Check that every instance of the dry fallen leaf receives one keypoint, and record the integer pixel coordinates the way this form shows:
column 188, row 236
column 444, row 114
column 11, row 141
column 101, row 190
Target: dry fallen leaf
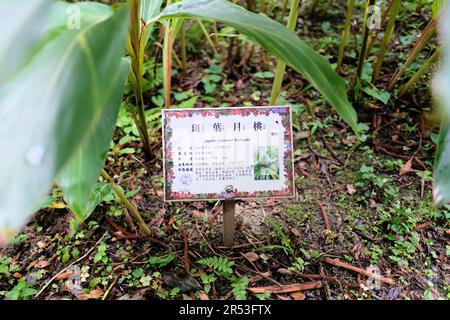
column 199, row 213
column 251, row 256
column 41, row 244
column 57, row 205
column 349, row 140
column 42, row 264
column 203, row 296
column 406, row 168
column 64, row 275
column 94, row 294
column 295, row 232
column 351, row 189
column 298, row 295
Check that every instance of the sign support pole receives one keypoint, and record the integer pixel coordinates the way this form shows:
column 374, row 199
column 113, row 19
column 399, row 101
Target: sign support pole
column 229, row 208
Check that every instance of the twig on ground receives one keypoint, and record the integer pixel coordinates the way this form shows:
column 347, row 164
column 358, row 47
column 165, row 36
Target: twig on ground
column 288, row 288
column 330, row 150
column 325, row 217
column 105, row 295
column 345, row 265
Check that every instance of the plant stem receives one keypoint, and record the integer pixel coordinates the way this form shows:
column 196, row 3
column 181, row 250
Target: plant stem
column 365, row 38
column 135, row 51
column 427, row 34
column 386, row 39
column 383, row 20
column 345, row 34
column 167, row 63
column 208, row 37
column 183, row 48
column 423, row 69
column 134, row 212
column 281, row 67
column 216, row 37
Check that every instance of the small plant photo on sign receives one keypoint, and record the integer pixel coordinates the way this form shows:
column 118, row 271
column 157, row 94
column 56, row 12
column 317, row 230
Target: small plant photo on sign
column 267, row 165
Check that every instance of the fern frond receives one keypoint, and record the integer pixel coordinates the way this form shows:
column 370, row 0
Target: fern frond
column 219, row 264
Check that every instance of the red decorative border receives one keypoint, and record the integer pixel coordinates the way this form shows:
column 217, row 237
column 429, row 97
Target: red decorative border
column 285, row 113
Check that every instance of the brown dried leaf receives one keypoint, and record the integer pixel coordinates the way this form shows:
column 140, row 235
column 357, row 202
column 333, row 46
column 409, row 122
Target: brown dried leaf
column 42, row 264
column 57, row 205
column 94, row 294
column 349, row 140
column 251, row 256
column 199, row 213
column 406, row 168
column 64, row 275
column 298, row 295
column 351, row 189
column 203, row 296
column 41, row 244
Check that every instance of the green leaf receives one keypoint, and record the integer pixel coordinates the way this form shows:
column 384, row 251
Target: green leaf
column 381, row 95
column 264, row 75
column 51, row 107
column 240, row 288
column 161, row 261
column 47, row 202
column 23, row 24
column 190, row 103
column 437, row 7
column 149, row 10
column 79, row 175
column 99, row 192
column 441, row 189
column 77, row 16
column 279, row 41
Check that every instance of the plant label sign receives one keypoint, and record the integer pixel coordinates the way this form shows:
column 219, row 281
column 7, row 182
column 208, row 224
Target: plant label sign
column 227, row 153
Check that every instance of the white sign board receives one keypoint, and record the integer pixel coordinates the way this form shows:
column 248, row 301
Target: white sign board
column 225, row 153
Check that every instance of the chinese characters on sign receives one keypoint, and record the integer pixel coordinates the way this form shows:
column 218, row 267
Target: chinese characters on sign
column 227, row 153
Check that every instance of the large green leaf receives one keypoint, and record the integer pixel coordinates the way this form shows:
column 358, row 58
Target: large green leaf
column 149, row 10
column 23, row 24
column 278, row 40
column 441, row 188
column 78, row 15
column 51, row 107
column 79, row 176
column 437, row 7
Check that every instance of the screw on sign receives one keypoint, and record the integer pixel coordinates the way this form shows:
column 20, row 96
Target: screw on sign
column 227, row 154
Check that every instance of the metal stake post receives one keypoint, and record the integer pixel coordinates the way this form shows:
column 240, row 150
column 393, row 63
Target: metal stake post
column 229, row 208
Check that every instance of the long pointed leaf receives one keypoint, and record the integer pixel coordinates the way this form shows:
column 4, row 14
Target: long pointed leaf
column 80, row 14
column 81, row 173
column 50, row 108
column 441, row 188
column 149, row 10
column 279, row 41
column 22, row 25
